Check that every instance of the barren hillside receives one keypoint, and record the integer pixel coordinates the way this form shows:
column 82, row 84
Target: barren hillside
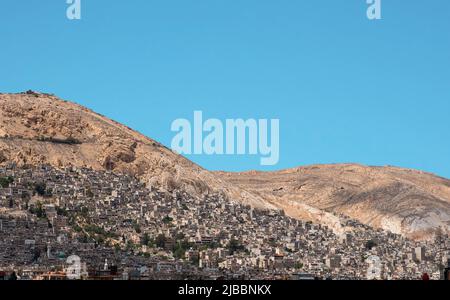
column 402, row 201
column 39, row 128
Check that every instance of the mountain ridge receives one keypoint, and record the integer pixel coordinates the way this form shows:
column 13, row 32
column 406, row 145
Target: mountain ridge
column 30, row 123
column 37, row 128
column 404, row 201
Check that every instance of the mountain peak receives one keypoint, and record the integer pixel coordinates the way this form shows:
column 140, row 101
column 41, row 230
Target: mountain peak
column 38, row 128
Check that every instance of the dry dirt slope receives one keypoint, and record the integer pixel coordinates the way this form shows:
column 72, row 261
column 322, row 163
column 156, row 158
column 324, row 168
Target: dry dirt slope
column 35, row 129
column 408, row 202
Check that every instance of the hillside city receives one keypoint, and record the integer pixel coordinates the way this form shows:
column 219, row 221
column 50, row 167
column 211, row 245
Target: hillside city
column 78, row 223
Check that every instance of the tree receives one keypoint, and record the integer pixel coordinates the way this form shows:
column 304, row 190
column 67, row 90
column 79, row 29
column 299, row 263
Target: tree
column 298, row 265
column 235, row 246
column 180, row 248
column 61, row 211
column 167, row 220
column 213, row 245
column 180, row 236
column 179, row 251
column 370, row 244
column 137, row 228
column 160, row 241
column 38, row 210
column 89, row 193
column 36, row 254
column 40, row 188
column 84, row 211
column 195, row 260
column 6, row 181
column 145, row 241
column 130, row 246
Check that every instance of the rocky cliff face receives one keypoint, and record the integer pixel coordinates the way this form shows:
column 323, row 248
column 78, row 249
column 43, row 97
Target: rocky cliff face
column 42, row 129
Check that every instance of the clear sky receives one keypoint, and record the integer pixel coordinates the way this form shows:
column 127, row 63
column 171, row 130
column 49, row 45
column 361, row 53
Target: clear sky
column 345, row 89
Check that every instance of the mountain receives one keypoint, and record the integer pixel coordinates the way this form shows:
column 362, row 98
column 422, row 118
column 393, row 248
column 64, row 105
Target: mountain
column 38, row 128
column 408, row 202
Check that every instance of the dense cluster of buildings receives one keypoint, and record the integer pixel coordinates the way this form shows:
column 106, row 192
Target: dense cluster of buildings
column 81, row 223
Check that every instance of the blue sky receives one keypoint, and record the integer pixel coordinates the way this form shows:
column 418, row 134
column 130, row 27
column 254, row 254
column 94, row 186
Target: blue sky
column 345, row 89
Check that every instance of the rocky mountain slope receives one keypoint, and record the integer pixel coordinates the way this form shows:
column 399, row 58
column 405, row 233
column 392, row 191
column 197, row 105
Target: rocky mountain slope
column 39, row 128
column 408, row 202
